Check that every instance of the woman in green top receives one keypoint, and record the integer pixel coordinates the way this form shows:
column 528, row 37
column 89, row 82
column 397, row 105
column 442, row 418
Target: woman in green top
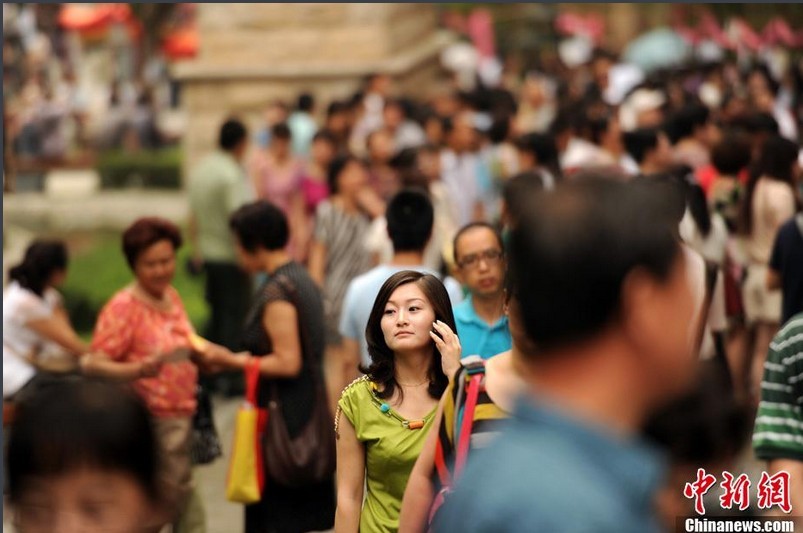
column 388, row 412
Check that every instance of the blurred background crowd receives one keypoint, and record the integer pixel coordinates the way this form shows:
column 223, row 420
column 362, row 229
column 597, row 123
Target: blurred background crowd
column 521, row 98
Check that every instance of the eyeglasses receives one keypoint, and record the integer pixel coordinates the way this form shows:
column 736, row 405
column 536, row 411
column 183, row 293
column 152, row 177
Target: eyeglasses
column 491, row 258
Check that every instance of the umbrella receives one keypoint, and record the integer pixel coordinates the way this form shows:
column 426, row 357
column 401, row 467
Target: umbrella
column 181, row 44
column 88, row 17
column 660, row 48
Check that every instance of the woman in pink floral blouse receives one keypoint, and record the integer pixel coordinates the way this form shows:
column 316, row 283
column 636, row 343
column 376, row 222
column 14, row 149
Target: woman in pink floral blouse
column 143, row 335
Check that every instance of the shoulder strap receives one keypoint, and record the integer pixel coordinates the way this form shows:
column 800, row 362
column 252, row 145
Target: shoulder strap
column 710, row 284
column 468, row 422
column 473, row 371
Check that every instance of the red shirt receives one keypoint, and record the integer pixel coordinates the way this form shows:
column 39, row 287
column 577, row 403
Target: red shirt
column 130, row 329
column 706, row 175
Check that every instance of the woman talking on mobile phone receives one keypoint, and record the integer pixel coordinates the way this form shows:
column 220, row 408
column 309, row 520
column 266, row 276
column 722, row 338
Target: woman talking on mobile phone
column 388, row 412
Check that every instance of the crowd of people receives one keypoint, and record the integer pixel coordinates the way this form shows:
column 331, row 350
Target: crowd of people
column 521, row 307
column 54, row 113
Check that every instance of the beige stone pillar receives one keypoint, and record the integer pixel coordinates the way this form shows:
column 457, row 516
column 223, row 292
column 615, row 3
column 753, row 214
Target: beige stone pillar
column 251, row 54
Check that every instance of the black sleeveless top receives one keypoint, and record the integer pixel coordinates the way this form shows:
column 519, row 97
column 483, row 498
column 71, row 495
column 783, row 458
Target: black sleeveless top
column 292, row 284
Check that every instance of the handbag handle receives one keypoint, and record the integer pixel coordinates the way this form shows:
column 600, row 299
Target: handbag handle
column 251, row 380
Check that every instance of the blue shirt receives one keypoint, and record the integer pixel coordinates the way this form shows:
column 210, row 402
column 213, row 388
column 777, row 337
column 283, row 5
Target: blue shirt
column 362, row 292
column 476, row 336
column 550, row 472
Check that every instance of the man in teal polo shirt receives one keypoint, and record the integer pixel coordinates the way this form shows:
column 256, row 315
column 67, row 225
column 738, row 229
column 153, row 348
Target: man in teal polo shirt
column 481, row 320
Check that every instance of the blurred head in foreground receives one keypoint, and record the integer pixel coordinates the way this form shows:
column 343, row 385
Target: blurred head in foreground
column 602, row 283
column 82, row 456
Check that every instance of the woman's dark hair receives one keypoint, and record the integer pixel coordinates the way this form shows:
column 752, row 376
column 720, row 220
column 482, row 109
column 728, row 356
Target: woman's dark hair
column 382, row 369
column 42, row 259
column 144, row 233
column 326, row 136
column 777, row 161
column 258, row 224
column 336, row 167
column 731, row 154
column 281, row 131
column 72, row 423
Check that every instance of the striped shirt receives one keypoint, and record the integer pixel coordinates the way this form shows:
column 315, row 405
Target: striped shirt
column 344, row 236
column 778, row 431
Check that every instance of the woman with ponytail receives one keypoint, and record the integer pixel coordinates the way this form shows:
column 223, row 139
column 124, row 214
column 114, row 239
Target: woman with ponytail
column 36, row 329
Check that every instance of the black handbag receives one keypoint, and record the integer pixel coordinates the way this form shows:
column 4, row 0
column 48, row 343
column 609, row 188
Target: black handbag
column 204, row 440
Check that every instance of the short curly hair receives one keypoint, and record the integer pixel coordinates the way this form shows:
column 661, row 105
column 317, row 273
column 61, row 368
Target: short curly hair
column 144, row 233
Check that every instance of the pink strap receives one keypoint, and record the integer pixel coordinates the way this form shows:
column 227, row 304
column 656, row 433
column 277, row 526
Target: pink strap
column 468, row 421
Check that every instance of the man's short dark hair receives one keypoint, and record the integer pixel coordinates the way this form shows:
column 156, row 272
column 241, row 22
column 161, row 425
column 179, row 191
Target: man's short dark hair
column 731, row 154
column 762, row 122
column 686, row 120
column 640, row 141
column 74, row 423
column 232, row 133
column 336, row 107
column 572, row 250
column 541, row 145
column 519, row 189
column 305, row 102
column 410, row 217
column 260, row 224
column 474, row 225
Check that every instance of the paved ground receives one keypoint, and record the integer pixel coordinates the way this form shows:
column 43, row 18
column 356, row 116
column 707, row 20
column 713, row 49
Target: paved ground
column 222, row 516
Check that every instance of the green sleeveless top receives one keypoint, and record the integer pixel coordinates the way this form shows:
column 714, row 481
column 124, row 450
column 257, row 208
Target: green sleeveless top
column 391, row 449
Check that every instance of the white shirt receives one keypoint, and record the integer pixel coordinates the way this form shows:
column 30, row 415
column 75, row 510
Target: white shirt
column 459, row 175
column 711, row 247
column 21, row 306
column 716, row 320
